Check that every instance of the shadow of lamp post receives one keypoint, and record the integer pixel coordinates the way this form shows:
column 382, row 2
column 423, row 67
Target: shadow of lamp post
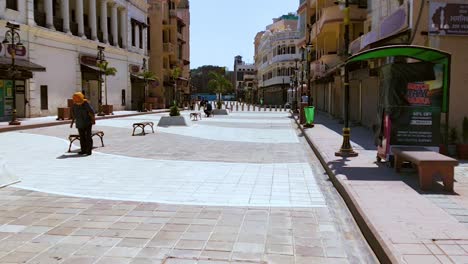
column 100, row 59
column 13, row 40
column 147, row 77
column 346, row 149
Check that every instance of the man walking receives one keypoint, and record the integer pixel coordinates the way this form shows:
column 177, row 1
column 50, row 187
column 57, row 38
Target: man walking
column 83, row 113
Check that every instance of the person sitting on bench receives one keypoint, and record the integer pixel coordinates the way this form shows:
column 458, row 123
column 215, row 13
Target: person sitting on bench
column 208, row 109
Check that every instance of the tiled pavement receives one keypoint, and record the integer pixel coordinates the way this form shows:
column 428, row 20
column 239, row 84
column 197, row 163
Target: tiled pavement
column 36, row 227
column 404, row 224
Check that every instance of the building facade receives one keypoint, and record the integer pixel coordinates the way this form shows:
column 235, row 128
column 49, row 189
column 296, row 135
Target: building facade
column 378, row 23
column 276, row 59
column 62, row 37
column 244, row 78
column 170, row 50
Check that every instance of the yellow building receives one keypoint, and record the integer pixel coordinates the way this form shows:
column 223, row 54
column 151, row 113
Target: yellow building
column 169, row 50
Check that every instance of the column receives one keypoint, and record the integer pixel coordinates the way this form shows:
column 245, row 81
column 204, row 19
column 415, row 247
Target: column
column 49, row 14
column 123, row 28
column 2, row 9
column 105, row 33
column 66, row 15
column 145, row 30
column 79, row 18
column 92, row 19
column 137, row 35
column 115, row 31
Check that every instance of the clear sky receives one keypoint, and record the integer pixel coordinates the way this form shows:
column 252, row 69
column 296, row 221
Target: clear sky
column 223, row 29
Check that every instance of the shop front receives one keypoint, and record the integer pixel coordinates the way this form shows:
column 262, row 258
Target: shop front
column 138, row 87
column 90, row 79
column 13, row 81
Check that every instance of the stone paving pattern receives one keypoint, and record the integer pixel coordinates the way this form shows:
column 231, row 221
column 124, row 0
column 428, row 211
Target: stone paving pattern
column 38, row 227
column 413, row 226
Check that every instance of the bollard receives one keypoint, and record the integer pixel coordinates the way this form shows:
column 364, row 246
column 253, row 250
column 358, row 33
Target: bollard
column 264, row 108
column 237, row 107
column 254, row 108
column 276, row 108
column 270, row 108
column 231, row 107
column 242, row 107
column 248, row 107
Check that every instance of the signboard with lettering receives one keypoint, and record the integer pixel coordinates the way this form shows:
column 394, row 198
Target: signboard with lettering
column 448, row 19
column 88, row 60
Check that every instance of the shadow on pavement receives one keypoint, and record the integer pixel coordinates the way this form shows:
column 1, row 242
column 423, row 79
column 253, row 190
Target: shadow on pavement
column 74, row 155
column 381, row 172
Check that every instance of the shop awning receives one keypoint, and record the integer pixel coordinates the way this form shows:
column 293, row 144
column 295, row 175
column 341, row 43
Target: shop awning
column 91, row 68
column 21, row 64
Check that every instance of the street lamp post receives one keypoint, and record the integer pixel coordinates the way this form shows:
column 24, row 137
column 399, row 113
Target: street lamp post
column 309, row 51
column 294, row 101
column 100, row 58
column 145, row 80
column 13, row 40
column 346, row 149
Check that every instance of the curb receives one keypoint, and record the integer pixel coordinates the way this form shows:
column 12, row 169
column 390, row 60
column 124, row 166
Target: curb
column 65, row 122
column 375, row 241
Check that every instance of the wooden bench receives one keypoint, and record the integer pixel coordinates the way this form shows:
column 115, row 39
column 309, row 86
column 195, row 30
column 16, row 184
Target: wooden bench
column 74, row 137
column 195, row 116
column 142, row 125
column 429, row 164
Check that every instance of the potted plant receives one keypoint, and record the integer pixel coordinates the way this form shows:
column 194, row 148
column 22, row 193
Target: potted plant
column 462, row 147
column 174, row 118
column 452, row 140
column 106, row 70
column 174, row 111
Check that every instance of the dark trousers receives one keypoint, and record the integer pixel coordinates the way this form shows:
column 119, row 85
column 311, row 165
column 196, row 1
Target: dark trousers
column 86, row 140
column 207, row 113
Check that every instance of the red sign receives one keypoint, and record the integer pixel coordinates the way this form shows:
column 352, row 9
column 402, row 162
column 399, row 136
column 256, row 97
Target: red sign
column 417, row 94
column 20, row 51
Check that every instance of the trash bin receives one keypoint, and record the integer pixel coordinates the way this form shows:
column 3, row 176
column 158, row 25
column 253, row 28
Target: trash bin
column 309, row 114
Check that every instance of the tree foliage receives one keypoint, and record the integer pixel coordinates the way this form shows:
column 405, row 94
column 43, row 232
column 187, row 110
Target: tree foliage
column 218, row 83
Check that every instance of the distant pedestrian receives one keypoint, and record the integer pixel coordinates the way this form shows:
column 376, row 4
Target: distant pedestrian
column 304, row 98
column 83, row 113
column 208, row 109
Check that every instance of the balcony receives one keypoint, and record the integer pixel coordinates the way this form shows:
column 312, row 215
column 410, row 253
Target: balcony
column 168, row 48
column 320, row 67
column 334, row 14
column 278, row 80
column 285, row 57
column 173, row 13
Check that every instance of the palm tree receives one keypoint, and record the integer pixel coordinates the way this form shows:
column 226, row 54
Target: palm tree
column 106, row 70
column 175, row 74
column 219, row 85
column 147, row 77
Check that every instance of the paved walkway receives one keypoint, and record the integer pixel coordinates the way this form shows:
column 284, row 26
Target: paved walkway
column 240, row 191
column 403, row 223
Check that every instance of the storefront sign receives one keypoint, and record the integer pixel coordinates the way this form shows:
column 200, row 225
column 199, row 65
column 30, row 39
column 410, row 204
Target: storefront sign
column 88, row 60
column 448, row 19
column 20, row 51
column 134, row 68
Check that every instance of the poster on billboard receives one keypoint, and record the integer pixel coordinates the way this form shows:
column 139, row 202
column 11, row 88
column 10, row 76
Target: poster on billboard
column 448, row 19
column 418, row 121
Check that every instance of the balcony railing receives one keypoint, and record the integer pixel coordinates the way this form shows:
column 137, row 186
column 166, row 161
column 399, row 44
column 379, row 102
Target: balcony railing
column 278, row 80
column 285, row 57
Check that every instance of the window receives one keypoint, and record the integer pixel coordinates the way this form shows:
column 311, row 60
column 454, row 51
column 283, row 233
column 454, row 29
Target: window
column 12, row 4
column 148, row 35
column 44, row 98
column 133, row 35
column 140, row 28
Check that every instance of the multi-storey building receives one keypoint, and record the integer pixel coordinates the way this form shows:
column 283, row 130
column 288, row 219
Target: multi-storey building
column 60, row 39
column 244, row 78
column 170, row 50
column 385, row 23
column 276, row 57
